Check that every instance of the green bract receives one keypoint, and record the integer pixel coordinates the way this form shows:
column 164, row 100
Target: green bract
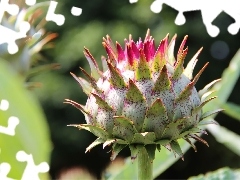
column 143, row 98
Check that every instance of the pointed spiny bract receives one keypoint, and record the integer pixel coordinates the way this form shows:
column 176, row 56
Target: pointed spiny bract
column 120, row 52
column 170, row 50
column 207, row 87
column 185, row 93
column 163, row 82
column 95, row 72
column 147, row 35
column 134, row 105
column 204, row 96
column 101, row 103
column 195, row 79
column 131, row 57
column 134, row 94
column 181, row 49
column 178, row 67
column 116, row 148
column 91, row 80
column 156, row 118
column 196, row 137
column 160, row 56
column 142, row 71
column 123, row 128
column 116, row 79
column 209, row 113
column 110, row 43
column 188, row 71
column 76, row 105
column 199, row 108
column 104, row 63
column 86, row 86
column 149, row 50
column 111, row 56
column 139, row 43
column 193, row 146
column 135, row 50
column 144, row 96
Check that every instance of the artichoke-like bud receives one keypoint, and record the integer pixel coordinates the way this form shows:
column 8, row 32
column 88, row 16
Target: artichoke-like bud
column 143, row 97
column 25, row 62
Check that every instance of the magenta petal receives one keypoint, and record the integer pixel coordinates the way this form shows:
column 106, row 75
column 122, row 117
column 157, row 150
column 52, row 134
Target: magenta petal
column 130, row 54
column 139, row 44
column 162, row 48
column 135, row 50
column 148, row 50
column 152, row 47
column 121, row 55
column 111, row 55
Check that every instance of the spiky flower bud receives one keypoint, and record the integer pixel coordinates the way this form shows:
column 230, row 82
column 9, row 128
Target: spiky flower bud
column 143, row 97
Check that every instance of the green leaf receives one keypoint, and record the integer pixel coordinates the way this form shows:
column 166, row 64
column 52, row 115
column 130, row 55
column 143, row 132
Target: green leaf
column 232, row 110
column 223, row 173
column 226, row 137
column 31, row 131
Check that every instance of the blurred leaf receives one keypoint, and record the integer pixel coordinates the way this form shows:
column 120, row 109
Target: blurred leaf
column 223, row 173
column 226, row 137
column 31, row 133
column 223, row 91
column 232, row 110
column 229, row 79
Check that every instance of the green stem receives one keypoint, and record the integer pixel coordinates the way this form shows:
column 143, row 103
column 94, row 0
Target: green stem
column 145, row 166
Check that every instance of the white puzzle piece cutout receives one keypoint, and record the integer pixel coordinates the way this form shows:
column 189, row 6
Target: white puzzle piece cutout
column 10, row 36
column 4, row 170
column 59, row 19
column 12, row 120
column 209, row 10
column 31, row 171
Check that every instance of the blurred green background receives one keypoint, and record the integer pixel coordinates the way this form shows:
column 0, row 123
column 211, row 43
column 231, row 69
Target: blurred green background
column 119, row 19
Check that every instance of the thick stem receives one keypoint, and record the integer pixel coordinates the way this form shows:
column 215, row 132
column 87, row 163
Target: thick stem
column 144, row 165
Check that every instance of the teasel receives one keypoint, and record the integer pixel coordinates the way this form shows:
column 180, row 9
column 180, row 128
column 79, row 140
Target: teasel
column 144, row 99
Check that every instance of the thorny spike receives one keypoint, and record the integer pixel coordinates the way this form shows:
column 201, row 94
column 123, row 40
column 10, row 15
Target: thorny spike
column 120, row 52
column 185, row 93
column 93, row 64
column 170, row 50
column 84, row 84
column 179, row 64
column 111, row 56
column 130, row 38
column 92, row 80
column 142, row 70
column 196, row 137
column 147, row 35
column 76, row 105
column 101, row 103
column 109, row 42
column 180, row 51
column 116, row 79
column 195, row 79
column 104, row 63
column 163, row 82
column 193, row 146
column 188, row 71
column 207, row 87
column 197, row 109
